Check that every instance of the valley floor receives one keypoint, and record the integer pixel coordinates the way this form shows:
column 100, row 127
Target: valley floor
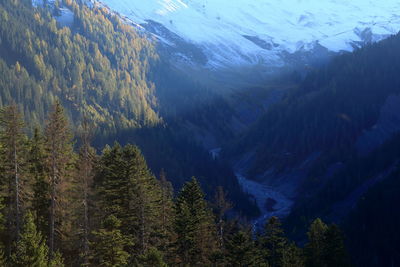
column 270, row 201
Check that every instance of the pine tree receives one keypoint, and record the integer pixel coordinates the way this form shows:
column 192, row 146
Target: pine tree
column 59, row 151
column 314, row 249
column 108, row 247
column 41, row 190
column 194, row 227
column 13, row 139
column 30, row 249
column 274, row 242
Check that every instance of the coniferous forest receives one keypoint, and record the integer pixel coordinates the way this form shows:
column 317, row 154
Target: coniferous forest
column 65, row 204
column 112, row 154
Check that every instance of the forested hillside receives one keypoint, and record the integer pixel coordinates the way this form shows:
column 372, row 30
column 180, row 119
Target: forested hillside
column 62, row 206
column 330, row 110
column 105, row 71
column 97, row 66
column 108, row 151
column 342, row 122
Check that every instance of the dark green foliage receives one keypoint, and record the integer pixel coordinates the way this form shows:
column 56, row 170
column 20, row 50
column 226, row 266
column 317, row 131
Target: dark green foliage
column 126, row 189
column 13, row 140
column 109, row 244
column 274, row 242
column 315, row 247
column 57, row 260
column 293, row 256
column 167, row 213
column 135, row 221
column 59, row 162
column 181, row 157
column 334, row 252
column 152, row 257
column 31, row 249
column 325, row 246
column 241, row 250
column 194, row 226
column 83, row 193
column 39, row 176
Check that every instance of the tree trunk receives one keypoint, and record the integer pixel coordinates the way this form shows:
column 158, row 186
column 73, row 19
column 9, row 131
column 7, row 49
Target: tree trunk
column 52, row 208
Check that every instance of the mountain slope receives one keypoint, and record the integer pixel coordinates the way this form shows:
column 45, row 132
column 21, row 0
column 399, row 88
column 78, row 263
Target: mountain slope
column 335, row 110
column 244, row 32
column 97, row 66
column 335, row 140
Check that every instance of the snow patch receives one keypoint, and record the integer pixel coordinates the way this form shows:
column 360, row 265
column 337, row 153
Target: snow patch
column 237, row 32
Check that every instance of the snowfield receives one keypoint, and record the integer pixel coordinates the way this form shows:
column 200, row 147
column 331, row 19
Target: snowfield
column 236, row 32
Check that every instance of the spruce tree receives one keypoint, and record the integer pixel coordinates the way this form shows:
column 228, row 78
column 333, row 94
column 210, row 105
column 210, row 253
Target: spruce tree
column 59, row 151
column 274, row 242
column 108, row 247
column 314, row 249
column 194, row 226
column 127, row 189
column 30, row 249
column 13, row 143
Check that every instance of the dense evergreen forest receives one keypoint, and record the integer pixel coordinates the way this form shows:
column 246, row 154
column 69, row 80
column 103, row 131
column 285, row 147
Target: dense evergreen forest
column 69, row 206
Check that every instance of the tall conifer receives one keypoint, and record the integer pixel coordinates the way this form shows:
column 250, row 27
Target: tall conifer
column 194, row 226
column 274, row 242
column 13, row 143
column 314, row 249
column 59, row 148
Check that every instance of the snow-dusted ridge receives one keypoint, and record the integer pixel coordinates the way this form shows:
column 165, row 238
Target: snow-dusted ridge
column 237, row 32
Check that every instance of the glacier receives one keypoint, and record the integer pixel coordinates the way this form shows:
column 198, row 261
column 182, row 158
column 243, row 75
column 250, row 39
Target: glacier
column 240, row 32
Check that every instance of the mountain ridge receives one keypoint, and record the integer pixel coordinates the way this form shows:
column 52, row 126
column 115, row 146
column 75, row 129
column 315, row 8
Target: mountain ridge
column 247, row 33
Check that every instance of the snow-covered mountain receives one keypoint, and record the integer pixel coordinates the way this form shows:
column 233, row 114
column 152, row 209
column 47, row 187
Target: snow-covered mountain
column 237, row 32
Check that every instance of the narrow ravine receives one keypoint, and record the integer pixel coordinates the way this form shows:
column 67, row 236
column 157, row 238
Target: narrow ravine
column 269, row 200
